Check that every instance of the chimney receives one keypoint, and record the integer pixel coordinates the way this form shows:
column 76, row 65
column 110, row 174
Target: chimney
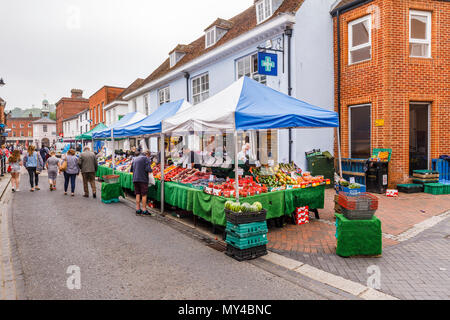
column 31, row 115
column 77, row 93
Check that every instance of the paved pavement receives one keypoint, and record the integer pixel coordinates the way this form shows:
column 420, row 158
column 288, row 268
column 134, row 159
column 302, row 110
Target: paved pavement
column 418, row 268
column 122, row 256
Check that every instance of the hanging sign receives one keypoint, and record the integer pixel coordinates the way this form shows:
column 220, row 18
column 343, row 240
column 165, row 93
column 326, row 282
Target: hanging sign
column 267, row 64
column 379, row 123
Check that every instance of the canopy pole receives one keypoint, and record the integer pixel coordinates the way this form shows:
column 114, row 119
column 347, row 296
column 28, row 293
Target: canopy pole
column 113, row 151
column 339, row 151
column 162, row 151
column 82, row 146
column 236, row 166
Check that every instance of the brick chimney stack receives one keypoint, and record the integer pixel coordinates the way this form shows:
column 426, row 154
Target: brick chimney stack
column 77, row 93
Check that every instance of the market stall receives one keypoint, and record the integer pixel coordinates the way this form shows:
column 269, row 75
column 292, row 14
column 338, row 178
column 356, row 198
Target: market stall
column 243, row 106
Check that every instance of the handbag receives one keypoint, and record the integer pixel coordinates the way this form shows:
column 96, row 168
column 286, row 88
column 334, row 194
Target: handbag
column 63, row 166
column 9, row 169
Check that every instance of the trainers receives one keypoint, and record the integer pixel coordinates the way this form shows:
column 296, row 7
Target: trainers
column 13, row 190
column 37, row 188
column 146, row 213
column 138, row 212
column 86, row 196
column 94, row 195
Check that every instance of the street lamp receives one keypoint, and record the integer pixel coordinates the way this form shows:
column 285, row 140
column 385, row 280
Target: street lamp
column 2, row 83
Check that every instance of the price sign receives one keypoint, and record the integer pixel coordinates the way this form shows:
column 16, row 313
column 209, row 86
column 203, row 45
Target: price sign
column 189, row 166
column 271, row 163
column 204, row 170
column 352, row 179
column 257, row 163
column 240, row 172
column 211, row 178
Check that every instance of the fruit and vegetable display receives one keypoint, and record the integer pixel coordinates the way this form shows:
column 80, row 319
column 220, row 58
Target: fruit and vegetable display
column 244, row 208
column 122, row 164
column 282, row 175
column 247, row 188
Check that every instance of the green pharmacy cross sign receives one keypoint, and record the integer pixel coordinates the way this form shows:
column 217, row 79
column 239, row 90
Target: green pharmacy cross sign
column 267, row 64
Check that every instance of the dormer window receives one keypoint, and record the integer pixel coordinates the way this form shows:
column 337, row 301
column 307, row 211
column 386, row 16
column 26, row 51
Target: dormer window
column 263, row 10
column 177, row 54
column 216, row 31
column 210, row 38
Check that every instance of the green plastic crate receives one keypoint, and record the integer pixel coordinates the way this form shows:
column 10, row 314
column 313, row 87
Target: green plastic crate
column 378, row 150
column 245, row 243
column 434, row 188
column 247, row 230
column 447, row 189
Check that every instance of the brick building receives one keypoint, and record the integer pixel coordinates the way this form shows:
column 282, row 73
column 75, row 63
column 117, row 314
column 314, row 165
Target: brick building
column 2, row 110
column 392, row 80
column 68, row 107
column 99, row 100
column 21, row 128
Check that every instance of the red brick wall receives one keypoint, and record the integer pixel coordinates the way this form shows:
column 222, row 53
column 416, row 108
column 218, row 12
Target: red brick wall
column 17, row 122
column 98, row 100
column 66, row 108
column 391, row 79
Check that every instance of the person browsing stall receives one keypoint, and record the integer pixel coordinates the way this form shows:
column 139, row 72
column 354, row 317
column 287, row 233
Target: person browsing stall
column 141, row 168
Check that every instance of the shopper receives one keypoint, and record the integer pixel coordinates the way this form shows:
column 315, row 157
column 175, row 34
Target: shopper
column 14, row 162
column 34, row 164
column 141, row 169
column 71, row 171
column 53, row 167
column 88, row 165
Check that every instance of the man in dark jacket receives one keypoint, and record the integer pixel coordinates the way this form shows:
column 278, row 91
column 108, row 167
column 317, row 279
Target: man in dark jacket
column 88, row 165
column 141, row 169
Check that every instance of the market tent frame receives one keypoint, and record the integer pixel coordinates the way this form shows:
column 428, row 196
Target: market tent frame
column 248, row 105
column 128, row 119
column 88, row 135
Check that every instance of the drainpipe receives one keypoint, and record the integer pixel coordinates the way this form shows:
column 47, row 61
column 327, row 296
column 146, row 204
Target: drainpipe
column 187, row 76
column 288, row 33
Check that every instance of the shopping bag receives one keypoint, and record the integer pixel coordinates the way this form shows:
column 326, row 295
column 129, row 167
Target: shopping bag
column 9, row 168
column 63, row 166
column 151, row 180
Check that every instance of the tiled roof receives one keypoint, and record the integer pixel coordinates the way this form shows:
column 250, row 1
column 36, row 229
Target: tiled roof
column 343, row 3
column 221, row 23
column 44, row 120
column 136, row 84
column 242, row 23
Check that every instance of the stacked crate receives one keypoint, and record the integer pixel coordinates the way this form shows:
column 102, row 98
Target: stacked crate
column 246, row 235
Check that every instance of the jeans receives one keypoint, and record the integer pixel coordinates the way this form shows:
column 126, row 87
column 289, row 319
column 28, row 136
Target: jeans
column 34, row 178
column 72, row 178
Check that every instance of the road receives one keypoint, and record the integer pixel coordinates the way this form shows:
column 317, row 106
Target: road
column 122, row 256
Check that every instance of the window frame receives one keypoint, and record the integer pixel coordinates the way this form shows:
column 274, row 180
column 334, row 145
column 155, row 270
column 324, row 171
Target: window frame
column 253, row 73
column 428, row 15
column 173, row 59
column 361, row 46
column 165, row 91
column 213, row 37
column 200, row 93
column 146, row 104
column 350, row 107
column 265, row 10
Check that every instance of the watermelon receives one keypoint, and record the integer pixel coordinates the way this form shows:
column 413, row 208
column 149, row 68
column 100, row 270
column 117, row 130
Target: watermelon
column 254, row 208
column 228, row 205
column 258, row 205
column 246, row 207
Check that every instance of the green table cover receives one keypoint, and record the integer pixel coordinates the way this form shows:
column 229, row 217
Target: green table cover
column 103, row 171
column 211, row 208
column 111, row 191
column 358, row 237
column 313, row 197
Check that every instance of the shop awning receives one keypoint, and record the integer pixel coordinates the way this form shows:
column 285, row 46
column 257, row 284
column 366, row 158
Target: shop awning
column 249, row 105
column 127, row 120
column 88, row 135
column 152, row 123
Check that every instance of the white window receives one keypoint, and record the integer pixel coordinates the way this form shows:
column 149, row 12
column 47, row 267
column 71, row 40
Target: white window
column 29, row 125
column 21, row 125
column 146, row 104
column 173, row 59
column 164, row 95
column 248, row 66
column 13, row 125
column 263, row 10
column 45, row 128
column 420, row 34
column 210, row 38
column 360, row 40
column 200, row 88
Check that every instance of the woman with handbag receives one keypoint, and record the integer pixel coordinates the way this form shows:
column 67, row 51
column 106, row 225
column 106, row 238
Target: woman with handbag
column 71, row 170
column 34, row 164
column 14, row 169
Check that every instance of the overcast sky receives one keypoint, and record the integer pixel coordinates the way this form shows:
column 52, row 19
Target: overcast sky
column 48, row 47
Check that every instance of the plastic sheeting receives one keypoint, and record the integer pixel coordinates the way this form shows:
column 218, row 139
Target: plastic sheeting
column 127, row 120
column 152, row 123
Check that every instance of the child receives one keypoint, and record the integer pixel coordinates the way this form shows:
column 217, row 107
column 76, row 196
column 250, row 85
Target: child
column 53, row 168
column 14, row 162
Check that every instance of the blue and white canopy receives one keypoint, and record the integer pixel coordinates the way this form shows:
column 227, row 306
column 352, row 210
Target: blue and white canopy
column 128, row 119
column 249, row 105
column 152, row 123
